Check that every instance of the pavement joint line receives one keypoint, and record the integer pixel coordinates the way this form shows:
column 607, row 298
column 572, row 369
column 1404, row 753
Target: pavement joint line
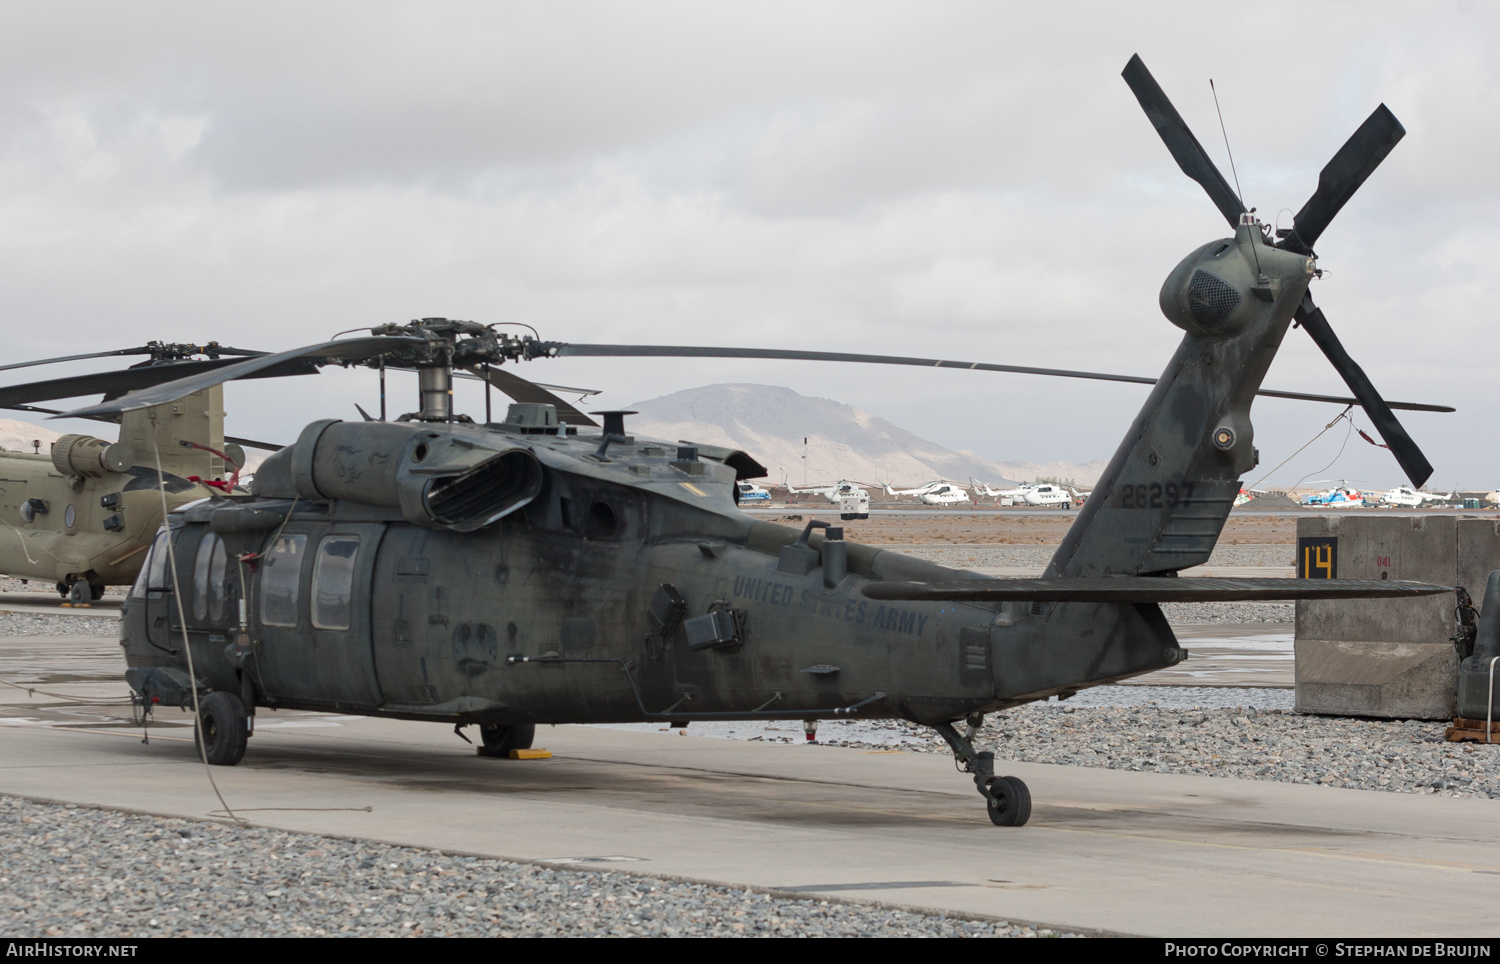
column 1357, row 856
column 574, row 868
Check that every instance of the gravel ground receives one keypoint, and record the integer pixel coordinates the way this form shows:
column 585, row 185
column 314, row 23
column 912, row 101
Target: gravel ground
column 40, row 624
column 1004, row 556
column 1018, row 556
column 70, row 871
column 1399, row 756
column 1205, row 614
column 12, row 584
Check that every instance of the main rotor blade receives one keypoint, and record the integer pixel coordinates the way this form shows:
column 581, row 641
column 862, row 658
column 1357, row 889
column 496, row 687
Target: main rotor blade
column 524, row 391
column 342, row 350
column 1411, row 459
column 1185, row 148
column 1343, row 175
column 691, row 351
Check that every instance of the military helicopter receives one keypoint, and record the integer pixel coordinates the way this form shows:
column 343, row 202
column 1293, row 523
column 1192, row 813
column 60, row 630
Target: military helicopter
column 83, row 515
column 505, row 574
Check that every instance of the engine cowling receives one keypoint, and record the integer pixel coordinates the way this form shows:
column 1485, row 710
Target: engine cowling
column 436, row 478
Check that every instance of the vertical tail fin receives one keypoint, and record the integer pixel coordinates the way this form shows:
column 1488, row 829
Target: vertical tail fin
column 1161, row 503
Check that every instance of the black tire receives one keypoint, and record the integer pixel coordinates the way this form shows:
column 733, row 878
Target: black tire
column 81, row 593
column 499, row 739
column 222, row 730
column 1011, row 806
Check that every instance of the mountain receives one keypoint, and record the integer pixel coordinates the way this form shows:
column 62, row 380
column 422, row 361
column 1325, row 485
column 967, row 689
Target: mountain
column 17, row 436
column 842, row 441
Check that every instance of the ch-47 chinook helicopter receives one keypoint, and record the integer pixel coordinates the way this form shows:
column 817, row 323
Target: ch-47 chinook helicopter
column 528, row 571
column 83, row 515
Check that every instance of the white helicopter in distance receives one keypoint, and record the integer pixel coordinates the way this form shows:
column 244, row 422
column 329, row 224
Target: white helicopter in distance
column 1409, row 498
column 933, row 493
column 851, row 498
column 989, row 492
column 1037, row 494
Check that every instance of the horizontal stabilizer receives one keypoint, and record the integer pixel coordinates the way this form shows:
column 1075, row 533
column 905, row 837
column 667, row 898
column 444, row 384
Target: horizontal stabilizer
column 1147, row 589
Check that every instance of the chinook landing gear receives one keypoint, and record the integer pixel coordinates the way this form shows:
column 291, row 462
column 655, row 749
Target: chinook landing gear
column 80, row 592
column 1007, row 798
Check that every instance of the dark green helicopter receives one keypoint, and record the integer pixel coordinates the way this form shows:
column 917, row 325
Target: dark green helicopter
column 534, row 570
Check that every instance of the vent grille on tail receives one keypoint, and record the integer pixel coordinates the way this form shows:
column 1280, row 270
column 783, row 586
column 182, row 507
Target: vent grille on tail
column 1211, row 299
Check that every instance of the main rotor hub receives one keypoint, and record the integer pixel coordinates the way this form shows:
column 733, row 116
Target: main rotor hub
column 464, row 344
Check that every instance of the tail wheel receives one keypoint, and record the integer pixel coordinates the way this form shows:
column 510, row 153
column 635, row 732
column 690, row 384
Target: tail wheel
column 222, row 731
column 1009, row 803
column 499, row 739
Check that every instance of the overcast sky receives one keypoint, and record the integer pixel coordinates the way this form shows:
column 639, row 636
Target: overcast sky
column 960, row 180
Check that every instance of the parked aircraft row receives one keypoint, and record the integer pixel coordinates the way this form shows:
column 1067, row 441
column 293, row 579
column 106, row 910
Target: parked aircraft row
column 1344, row 495
column 940, row 492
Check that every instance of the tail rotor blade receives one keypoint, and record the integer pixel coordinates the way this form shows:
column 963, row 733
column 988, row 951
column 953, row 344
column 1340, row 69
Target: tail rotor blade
column 1411, row 459
column 1343, row 175
column 1186, row 150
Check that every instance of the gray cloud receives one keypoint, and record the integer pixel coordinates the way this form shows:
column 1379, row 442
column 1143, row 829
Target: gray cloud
column 962, row 180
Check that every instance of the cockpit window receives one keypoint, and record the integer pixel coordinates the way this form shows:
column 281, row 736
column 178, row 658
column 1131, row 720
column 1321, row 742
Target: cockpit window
column 154, row 572
column 208, row 578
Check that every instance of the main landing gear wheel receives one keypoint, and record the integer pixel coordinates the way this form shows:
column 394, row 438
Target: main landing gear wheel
column 1009, row 802
column 1006, row 798
column 222, row 729
column 81, row 593
column 499, row 740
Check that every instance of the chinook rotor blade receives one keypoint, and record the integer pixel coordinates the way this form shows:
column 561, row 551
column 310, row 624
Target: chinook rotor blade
column 522, row 390
column 1147, row 589
column 1343, row 175
column 1411, row 459
column 251, row 443
column 782, row 354
column 106, row 383
column 213, row 350
column 1185, row 149
column 68, row 358
column 345, row 350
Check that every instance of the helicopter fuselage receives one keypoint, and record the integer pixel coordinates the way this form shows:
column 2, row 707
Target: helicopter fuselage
column 627, row 589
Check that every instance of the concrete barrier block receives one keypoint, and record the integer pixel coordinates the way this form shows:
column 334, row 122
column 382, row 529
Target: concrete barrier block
column 1389, row 657
column 1478, row 554
column 1412, row 681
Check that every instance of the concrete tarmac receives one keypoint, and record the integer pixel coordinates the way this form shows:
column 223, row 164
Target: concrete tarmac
column 53, row 605
column 1112, row 851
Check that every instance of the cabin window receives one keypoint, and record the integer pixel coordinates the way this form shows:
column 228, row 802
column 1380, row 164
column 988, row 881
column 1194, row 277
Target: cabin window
column 333, row 582
column 280, row 574
column 208, row 579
